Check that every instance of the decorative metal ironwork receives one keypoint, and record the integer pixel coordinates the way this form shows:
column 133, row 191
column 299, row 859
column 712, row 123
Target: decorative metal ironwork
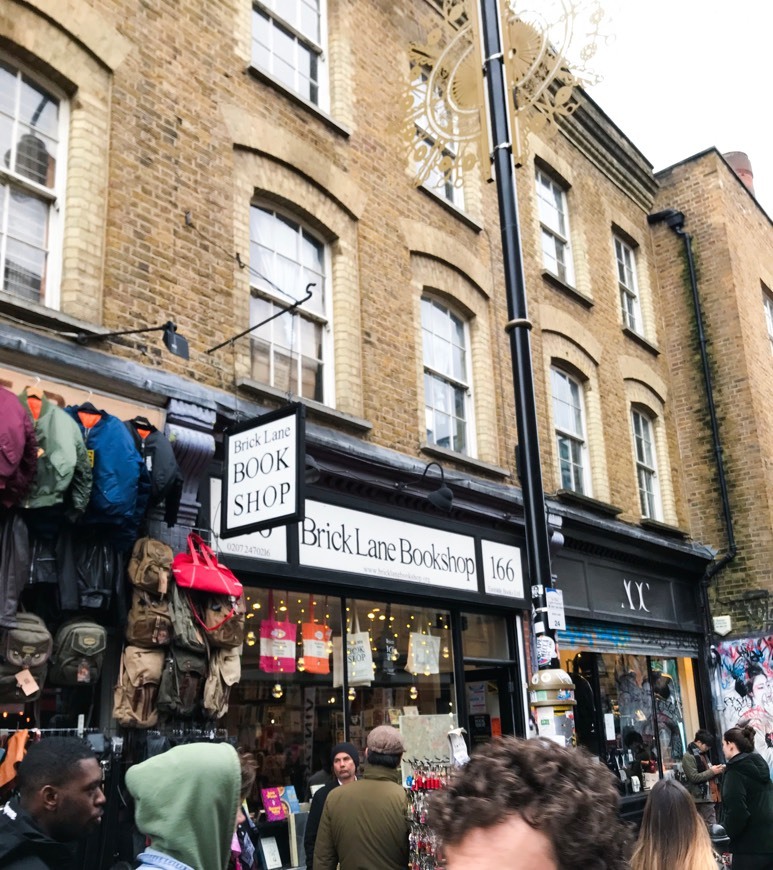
column 547, row 50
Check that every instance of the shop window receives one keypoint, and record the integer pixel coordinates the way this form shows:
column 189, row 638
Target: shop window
column 569, row 421
column 289, row 351
column 31, row 185
column 412, row 684
column 636, row 712
column 289, row 708
column 485, row 637
column 447, row 392
column 287, row 42
column 554, row 227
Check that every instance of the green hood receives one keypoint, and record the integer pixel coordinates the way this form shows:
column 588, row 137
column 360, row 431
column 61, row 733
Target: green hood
column 186, row 801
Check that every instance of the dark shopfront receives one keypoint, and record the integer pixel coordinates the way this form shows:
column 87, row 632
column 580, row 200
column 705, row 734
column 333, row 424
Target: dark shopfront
column 438, row 604
column 633, row 646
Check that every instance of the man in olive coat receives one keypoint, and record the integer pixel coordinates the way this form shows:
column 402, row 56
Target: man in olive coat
column 366, row 823
column 701, row 775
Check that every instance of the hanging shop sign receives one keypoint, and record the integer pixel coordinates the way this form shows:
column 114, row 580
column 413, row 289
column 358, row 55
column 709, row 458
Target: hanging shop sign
column 347, row 540
column 262, row 472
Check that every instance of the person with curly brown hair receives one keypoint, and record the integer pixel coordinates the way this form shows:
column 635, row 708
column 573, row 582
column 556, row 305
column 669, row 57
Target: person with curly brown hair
column 522, row 804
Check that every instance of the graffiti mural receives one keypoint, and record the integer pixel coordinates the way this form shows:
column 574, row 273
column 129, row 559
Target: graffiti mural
column 745, row 678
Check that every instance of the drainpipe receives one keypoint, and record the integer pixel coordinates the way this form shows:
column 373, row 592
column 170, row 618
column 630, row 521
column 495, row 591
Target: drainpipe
column 675, row 220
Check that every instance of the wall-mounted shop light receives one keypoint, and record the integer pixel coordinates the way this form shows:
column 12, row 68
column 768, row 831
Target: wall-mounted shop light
column 312, row 471
column 175, row 343
column 442, row 498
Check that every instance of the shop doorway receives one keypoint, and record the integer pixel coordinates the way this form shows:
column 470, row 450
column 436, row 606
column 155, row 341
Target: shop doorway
column 489, row 691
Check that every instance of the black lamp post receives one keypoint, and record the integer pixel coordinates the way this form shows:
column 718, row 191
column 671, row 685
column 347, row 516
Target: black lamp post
column 552, row 690
column 518, row 327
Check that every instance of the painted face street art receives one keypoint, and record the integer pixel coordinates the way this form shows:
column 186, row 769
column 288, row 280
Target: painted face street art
column 744, row 684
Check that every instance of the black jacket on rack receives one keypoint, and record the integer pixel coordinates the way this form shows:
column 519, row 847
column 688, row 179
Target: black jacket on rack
column 23, row 846
column 166, row 479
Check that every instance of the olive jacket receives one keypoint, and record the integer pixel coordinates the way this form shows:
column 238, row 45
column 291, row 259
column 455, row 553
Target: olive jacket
column 747, row 796
column 365, row 825
column 697, row 771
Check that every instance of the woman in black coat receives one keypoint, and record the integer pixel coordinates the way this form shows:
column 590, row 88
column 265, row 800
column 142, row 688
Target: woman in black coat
column 747, row 795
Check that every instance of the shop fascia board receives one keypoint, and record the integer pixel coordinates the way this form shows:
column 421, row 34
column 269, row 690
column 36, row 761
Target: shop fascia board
column 67, row 361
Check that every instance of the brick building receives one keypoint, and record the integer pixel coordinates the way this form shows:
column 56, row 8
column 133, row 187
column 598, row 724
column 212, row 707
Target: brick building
column 206, row 163
column 729, row 237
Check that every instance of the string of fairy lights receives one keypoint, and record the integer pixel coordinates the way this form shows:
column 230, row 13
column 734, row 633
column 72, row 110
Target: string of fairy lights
column 391, row 626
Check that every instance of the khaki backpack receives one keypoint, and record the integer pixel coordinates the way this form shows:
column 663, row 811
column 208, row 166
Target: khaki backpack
column 149, row 565
column 150, row 621
column 136, row 694
column 225, row 670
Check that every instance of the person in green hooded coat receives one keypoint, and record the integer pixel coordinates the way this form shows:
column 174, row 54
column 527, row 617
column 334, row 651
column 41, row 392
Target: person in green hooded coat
column 186, row 801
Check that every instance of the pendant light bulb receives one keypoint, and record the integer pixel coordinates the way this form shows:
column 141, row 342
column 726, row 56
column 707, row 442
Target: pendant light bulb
column 277, row 691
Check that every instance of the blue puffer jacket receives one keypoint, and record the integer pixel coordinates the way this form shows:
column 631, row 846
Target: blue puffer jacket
column 116, row 465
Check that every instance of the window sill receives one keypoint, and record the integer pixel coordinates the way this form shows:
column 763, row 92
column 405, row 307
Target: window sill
column 641, row 340
column 463, row 459
column 592, row 504
column 35, row 314
column 571, row 292
column 453, row 209
column 315, row 409
column 663, row 528
column 314, row 109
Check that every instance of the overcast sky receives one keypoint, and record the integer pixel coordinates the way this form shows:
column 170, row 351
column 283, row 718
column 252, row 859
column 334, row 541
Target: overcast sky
column 683, row 75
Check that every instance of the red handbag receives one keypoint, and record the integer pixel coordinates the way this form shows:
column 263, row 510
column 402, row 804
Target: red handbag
column 198, row 569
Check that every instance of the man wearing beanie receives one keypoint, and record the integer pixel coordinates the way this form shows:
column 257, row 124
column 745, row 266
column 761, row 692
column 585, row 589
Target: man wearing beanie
column 366, row 825
column 344, row 761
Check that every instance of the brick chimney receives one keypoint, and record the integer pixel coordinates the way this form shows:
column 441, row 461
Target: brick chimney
column 741, row 165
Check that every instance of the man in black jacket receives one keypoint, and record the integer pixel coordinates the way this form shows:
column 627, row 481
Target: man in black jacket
column 345, row 760
column 60, row 800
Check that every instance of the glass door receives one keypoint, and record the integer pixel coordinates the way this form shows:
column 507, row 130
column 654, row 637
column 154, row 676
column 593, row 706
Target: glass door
column 489, row 677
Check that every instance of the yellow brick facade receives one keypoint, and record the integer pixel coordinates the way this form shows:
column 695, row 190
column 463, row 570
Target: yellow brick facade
column 174, row 135
column 731, row 239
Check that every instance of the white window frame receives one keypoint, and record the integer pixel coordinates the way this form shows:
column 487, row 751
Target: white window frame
column 577, row 463
column 54, row 195
column 767, row 305
column 277, row 13
column 447, row 187
column 262, row 287
column 628, row 284
column 646, row 458
column 459, row 386
column 554, row 232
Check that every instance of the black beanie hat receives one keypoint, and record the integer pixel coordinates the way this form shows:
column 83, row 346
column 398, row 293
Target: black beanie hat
column 349, row 749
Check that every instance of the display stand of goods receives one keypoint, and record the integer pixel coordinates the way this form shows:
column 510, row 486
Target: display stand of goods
column 183, row 636
column 426, row 778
